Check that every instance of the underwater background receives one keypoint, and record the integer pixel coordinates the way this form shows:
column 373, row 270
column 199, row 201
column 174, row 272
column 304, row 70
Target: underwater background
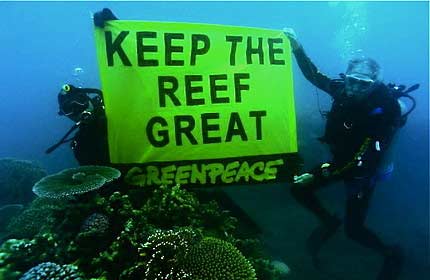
column 46, row 44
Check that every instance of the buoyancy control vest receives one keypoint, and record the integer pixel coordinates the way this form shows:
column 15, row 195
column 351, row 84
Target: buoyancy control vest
column 348, row 121
column 351, row 120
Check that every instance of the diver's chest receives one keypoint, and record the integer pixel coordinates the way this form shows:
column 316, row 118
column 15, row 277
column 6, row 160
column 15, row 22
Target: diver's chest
column 351, row 118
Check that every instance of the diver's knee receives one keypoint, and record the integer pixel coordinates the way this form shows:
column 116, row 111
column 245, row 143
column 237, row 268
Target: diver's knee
column 353, row 231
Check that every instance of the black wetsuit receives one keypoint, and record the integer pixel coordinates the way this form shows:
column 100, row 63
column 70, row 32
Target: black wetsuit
column 89, row 144
column 358, row 133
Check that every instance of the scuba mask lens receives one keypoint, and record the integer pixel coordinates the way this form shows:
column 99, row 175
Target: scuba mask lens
column 358, row 84
column 66, row 88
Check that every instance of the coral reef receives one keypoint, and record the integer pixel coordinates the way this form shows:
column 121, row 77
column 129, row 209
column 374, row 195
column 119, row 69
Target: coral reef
column 33, row 219
column 75, row 181
column 17, row 177
column 30, row 223
column 124, row 233
column 19, row 255
column 7, row 213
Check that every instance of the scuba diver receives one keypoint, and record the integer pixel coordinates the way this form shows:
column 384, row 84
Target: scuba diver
column 85, row 107
column 363, row 119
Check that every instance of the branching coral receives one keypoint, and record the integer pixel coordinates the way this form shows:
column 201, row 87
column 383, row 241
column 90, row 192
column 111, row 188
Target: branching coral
column 171, row 206
column 215, row 220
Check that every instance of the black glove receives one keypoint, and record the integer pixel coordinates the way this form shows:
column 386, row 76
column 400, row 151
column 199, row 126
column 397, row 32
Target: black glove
column 102, row 16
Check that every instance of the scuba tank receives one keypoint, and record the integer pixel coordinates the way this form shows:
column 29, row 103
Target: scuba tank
column 386, row 167
column 401, row 92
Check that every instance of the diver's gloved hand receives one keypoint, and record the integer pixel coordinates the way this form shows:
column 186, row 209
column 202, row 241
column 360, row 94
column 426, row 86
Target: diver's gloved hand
column 102, row 16
column 289, row 32
column 304, row 179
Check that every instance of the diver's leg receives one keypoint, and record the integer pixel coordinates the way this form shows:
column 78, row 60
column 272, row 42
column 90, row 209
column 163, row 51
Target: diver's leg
column 357, row 205
column 356, row 211
column 306, row 196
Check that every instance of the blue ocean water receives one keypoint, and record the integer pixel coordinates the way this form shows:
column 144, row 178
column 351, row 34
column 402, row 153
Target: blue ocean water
column 43, row 44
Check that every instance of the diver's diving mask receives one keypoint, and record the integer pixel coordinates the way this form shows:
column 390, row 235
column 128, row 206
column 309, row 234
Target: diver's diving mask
column 66, row 88
column 73, row 103
column 358, row 84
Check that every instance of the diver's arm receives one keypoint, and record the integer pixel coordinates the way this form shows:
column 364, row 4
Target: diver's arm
column 308, row 68
column 89, row 91
column 366, row 160
column 363, row 164
column 311, row 72
column 327, row 172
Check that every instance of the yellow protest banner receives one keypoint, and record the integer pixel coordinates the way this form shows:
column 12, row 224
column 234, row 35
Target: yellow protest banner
column 186, row 99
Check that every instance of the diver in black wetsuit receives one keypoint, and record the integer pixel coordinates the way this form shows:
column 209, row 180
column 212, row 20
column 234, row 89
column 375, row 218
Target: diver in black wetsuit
column 85, row 107
column 360, row 126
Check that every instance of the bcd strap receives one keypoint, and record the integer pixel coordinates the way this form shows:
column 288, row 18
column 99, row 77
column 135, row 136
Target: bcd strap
column 63, row 140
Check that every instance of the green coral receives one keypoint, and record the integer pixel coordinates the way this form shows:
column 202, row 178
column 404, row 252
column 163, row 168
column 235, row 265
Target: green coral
column 213, row 259
column 171, row 206
column 118, row 206
column 19, row 255
column 174, row 205
column 119, row 258
column 14, row 248
column 30, row 223
column 7, row 273
column 34, row 219
column 216, row 221
column 75, row 181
